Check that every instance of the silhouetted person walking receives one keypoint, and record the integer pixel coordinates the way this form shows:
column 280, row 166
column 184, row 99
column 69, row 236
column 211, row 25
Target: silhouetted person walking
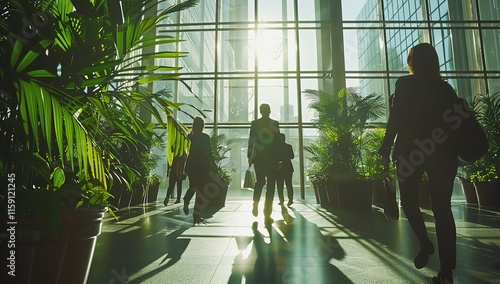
column 199, row 163
column 175, row 177
column 262, row 153
column 416, row 122
column 285, row 170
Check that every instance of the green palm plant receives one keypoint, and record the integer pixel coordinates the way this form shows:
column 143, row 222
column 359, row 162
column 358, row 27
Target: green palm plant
column 341, row 119
column 70, row 97
column 487, row 109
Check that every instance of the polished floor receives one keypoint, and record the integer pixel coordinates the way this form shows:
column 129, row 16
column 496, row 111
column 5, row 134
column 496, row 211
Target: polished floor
column 306, row 244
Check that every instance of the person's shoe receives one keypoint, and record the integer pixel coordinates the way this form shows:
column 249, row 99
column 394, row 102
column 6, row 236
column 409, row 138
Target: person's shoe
column 197, row 219
column 255, row 209
column 290, row 202
column 422, row 257
column 443, row 277
column 177, row 201
column 165, row 202
column 185, row 209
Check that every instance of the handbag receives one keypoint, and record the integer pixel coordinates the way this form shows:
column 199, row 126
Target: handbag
column 391, row 209
column 249, row 181
column 469, row 137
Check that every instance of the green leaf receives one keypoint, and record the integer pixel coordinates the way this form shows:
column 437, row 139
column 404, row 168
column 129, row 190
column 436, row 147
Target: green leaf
column 58, row 177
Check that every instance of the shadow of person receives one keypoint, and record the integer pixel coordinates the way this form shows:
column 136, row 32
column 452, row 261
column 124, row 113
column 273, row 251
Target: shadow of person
column 139, row 242
column 293, row 250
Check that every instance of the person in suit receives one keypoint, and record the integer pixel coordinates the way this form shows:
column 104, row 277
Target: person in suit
column 200, row 162
column 175, row 174
column 285, row 170
column 419, row 134
column 262, row 143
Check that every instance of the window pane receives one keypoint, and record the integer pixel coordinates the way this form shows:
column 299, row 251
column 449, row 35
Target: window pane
column 307, row 9
column 308, row 114
column 363, row 50
column 469, row 87
column 494, row 84
column 204, row 90
column 236, row 51
column 359, row 10
column 491, row 42
column 275, row 10
column 203, row 12
column 201, row 48
column 275, row 50
column 313, row 51
column 236, row 11
column 235, row 100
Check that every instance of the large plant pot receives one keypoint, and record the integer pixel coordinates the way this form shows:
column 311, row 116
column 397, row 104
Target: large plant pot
column 215, row 193
column 316, row 192
column 153, row 190
column 469, row 191
column 424, row 195
column 323, row 195
column 137, row 195
column 488, row 194
column 332, row 195
column 65, row 256
column 354, row 197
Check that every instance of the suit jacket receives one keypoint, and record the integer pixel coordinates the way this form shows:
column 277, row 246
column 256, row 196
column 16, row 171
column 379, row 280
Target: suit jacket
column 176, row 170
column 200, row 159
column 416, row 122
column 263, row 139
column 286, row 155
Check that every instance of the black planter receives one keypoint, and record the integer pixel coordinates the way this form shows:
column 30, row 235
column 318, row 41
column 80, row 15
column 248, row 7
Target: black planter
column 316, row 192
column 137, row 195
column 469, row 191
column 215, row 193
column 64, row 256
column 354, row 197
column 153, row 192
column 488, row 194
column 332, row 195
column 323, row 195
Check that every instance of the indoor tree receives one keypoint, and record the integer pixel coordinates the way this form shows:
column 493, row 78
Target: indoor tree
column 70, row 73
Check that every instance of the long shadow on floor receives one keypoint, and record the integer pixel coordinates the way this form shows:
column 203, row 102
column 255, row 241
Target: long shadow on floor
column 142, row 236
column 293, row 250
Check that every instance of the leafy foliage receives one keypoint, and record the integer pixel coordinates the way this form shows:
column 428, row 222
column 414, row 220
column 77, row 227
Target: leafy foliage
column 341, row 119
column 70, row 99
column 487, row 109
column 220, row 149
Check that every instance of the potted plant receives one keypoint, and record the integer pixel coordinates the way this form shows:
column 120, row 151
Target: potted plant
column 341, row 118
column 70, row 72
column 464, row 174
column 371, row 167
column 486, row 171
column 220, row 178
column 153, row 186
column 320, row 155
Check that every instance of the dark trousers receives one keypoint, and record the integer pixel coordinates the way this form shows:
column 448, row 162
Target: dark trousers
column 265, row 174
column 441, row 174
column 171, row 184
column 196, row 185
column 284, row 178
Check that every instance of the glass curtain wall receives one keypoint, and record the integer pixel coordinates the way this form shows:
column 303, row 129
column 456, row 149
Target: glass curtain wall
column 242, row 53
